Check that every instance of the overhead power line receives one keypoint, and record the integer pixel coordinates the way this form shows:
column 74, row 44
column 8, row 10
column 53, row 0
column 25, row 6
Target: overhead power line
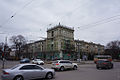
column 22, row 8
column 102, row 21
column 70, row 12
column 5, row 22
column 16, row 12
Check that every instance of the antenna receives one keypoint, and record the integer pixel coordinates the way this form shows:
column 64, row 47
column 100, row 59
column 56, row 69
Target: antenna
column 59, row 23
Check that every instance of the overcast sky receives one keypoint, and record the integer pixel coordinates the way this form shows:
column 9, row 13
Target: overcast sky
column 95, row 21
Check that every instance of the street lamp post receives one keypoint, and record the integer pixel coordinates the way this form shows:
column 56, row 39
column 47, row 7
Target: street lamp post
column 78, row 52
column 4, row 52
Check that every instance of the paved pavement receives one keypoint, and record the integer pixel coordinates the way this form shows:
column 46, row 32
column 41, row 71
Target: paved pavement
column 85, row 71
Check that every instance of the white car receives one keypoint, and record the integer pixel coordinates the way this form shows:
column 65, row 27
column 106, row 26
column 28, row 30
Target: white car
column 64, row 64
column 38, row 61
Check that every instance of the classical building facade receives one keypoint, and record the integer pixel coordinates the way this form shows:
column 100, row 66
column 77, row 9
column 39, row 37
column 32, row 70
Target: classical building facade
column 88, row 49
column 60, row 44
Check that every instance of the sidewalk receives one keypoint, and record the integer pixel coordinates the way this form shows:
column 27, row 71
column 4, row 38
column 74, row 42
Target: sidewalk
column 84, row 62
column 81, row 62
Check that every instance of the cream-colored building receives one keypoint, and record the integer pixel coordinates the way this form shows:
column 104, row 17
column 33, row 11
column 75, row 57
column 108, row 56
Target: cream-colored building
column 60, row 44
column 88, row 49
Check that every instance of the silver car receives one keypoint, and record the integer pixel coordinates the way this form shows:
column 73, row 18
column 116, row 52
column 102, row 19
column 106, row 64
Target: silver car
column 64, row 64
column 27, row 72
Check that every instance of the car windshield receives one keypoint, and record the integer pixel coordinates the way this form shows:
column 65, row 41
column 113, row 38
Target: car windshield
column 101, row 61
column 15, row 67
column 103, row 57
column 25, row 59
column 55, row 62
column 106, row 61
column 37, row 59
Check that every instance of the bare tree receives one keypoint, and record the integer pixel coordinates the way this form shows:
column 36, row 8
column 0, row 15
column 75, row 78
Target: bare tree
column 18, row 41
column 4, row 50
column 1, row 49
column 113, row 48
column 1, row 45
column 113, row 45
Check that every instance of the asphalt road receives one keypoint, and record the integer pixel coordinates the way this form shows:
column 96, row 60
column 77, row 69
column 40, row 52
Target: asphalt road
column 84, row 72
column 89, row 72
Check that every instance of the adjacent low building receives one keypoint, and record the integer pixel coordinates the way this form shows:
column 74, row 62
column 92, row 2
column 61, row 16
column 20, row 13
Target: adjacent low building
column 88, row 49
column 60, row 44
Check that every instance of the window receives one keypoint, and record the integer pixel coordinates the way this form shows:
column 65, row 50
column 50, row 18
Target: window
column 37, row 67
column 65, row 62
column 30, row 67
column 68, row 62
column 15, row 66
column 55, row 62
column 62, row 62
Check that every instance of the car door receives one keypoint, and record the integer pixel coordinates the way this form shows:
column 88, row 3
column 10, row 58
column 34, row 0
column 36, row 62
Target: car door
column 38, row 72
column 27, row 72
column 64, row 63
column 69, row 64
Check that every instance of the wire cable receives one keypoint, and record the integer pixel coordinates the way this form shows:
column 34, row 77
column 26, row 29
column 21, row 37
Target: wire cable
column 70, row 12
column 16, row 13
column 103, row 21
column 22, row 8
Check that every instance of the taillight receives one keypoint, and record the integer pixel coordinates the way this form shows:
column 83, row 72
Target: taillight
column 109, row 59
column 5, row 72
column 57, row 64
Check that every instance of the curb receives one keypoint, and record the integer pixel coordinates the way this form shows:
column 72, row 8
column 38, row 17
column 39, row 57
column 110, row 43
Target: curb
column 79, row 63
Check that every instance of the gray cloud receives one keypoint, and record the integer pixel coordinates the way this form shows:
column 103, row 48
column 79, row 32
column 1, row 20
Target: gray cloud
column 35, row 18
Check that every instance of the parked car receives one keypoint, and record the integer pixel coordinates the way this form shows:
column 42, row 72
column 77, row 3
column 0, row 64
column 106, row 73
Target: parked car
column 104, row 64
column 25, row 60
column 38, row 61
column 64, row 64
column 27, row 72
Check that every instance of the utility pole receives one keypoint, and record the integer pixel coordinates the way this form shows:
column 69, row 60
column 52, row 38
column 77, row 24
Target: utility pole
column 3, row 58
column 4, row 52
column 79, row 52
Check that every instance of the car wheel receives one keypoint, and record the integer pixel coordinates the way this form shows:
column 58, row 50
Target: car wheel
column 41, row 63
column 112, row 67
column 97, row 67
column 18, row 78
column 49, row 75
column 75, row 67
column 109, row 67
column 38, row 63
column 62, row 68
